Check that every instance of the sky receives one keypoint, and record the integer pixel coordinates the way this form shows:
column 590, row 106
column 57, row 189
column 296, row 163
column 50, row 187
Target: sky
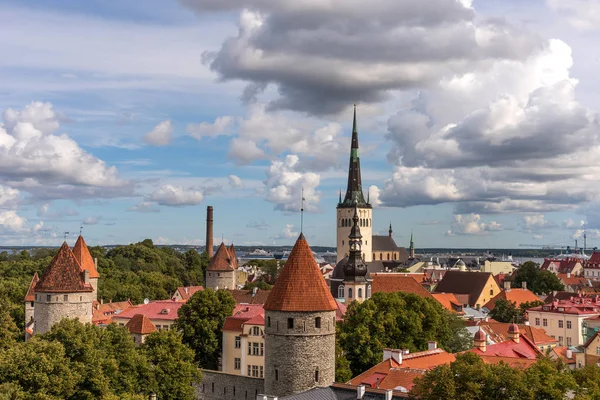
column 478, row 120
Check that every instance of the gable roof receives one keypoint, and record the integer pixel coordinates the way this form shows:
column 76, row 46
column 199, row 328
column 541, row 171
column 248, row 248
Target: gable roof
column 591, row 339
column 159, row 309
column 221, row 261
column 84, row 258
column 63, row 275
column 449, row 301
column 498, row 331
column 515, row 296
column 300, row 285
column 141, row 325
column 397, row 282
column 383, row 243
column 249, row 296
column 524, row 349
column 231, row 251
column 185, row 292
column 464, row 282
column 30, row 295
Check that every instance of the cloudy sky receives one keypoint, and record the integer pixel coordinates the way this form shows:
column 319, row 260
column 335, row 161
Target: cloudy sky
column 478, row 120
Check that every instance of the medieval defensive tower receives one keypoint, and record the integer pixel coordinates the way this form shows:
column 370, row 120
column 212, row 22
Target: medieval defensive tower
column 299, row 327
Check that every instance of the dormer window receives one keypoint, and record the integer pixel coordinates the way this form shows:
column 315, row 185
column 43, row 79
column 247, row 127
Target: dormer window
column 164, row 311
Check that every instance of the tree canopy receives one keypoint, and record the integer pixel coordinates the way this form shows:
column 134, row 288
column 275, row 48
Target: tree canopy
column 200, row 321
column 397, row 320
column 507, row 311
column 538, row 281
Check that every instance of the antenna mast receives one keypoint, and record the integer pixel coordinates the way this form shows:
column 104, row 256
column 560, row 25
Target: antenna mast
column 66, row 233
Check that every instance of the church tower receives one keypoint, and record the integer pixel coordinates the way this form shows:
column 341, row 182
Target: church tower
column 355, row 270
column 411, row 249
column 299, row 327
column 354, row 198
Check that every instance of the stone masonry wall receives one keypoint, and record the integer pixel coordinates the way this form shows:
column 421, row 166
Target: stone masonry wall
column 221, row 279
column 48, row 313
column 29, row 308
column 292, row 356
column 217, row 385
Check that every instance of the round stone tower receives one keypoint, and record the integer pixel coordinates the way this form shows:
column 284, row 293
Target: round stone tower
column 63, row 291
column 299, row 327
column 354, row 198
column 221, row 272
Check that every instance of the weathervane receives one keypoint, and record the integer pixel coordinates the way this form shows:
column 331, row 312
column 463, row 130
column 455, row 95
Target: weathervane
column 302, row 212
column 66, row 233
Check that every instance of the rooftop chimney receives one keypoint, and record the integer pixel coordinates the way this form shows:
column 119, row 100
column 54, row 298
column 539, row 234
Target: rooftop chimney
column 431, row 345
column 569, row 354
column 389, row 394
column 568, row 274
column 360, row 391
column 397, row 356
column 524, row 285
column 209, row 231
column 506, row 285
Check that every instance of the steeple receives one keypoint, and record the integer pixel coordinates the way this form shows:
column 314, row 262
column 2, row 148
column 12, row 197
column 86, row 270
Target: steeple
column 391, row 232
column 412, row 246
column 354, row 193
column 355, row 270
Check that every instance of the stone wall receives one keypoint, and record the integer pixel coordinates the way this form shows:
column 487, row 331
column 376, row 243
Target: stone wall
column 221, row 279
column 217, row 385
column 29, row 311
column 299, row 358
column 49, row 311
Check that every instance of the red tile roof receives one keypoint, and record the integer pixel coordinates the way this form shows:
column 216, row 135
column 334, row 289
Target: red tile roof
column 300, row 285
column 103, row 313
column 574, row 305
column 515, row 296
column 159, row 309
column 524, row 349
column 562, row 265
column 397, row 282
column 63, row 275
column 231, row 251
column 84, row 258
column 242, row 296
column 449, row 301
column 561, row 352
column 185, row 292
column 222, row 260
column 30, row 295
column 510, row 361
column 141, row 325
column 569, row 279
column 252, row 314
column 340, row 312
column 498, row 331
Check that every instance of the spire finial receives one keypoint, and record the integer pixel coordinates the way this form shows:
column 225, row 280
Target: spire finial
column 354, row 129
column 390, row 231
column 302, row 211
column 80, row 230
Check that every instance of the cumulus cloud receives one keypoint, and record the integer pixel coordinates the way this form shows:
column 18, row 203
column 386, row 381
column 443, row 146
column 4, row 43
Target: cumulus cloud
column 220, row 127
column 169, row 195
column 235, row 181
column 361, row 53
column 145, row 206
column 471, row 224
column 34, row 159
column 582, row 14
column 161, row 135
column 570, row 223
column 287, row 233
column 10, row 222
column 9, row 197
column 537, row 221
column 91, row 220
column 285, row 183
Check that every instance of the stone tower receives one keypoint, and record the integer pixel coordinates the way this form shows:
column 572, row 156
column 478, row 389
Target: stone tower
column 299, row 327
column 354, row 199
column 221, row 272
column 63, row 291
column 29, row 306
column 355, row 269
column 87, row 263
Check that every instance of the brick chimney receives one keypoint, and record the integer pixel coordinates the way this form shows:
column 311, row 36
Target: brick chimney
column 209, row 231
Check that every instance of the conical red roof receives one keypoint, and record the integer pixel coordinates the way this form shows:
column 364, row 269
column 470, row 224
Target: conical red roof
column 83, row 256
column 63, row 275
column 221, row 261
column 30, row 295
column 300, row 286
column 141, row 325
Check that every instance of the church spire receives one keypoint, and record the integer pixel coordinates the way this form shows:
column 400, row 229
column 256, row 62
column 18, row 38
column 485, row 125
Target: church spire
column 412, row 246
column 354, row 193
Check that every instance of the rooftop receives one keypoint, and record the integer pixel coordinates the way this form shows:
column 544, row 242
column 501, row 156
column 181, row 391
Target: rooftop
column 464, row 282
column 222, row 260
column 141, row 325
column 155, row 310
column 63, row 275
column 389, row 282
column 30, row 295
column 516, row 296
column 83, row 256
column 185, row 292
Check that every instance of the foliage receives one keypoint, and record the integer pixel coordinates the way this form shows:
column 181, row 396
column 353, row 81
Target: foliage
column 173, row 365
column 397, row 320
column 200, row 320
column 270, row 269
column 342, row 365
column 9, row 332
column 260, row 284
column 538, row 281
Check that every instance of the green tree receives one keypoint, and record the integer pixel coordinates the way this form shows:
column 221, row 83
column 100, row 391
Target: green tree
column 549, row 379
column 343, row 373
column 174, row 370
column 396, row 320
column 260, row 284
column 200, row 320
column 538, row 281
column 9, row 332
column 506, row 311
column 588, row 381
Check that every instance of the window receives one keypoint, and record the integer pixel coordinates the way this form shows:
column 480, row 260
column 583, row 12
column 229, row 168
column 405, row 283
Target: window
column 317, row 374
column 66, row 297
column 277, row 372
column 255, row 371
column 249, row 348
column 255, row 349
column 381, row 256
column 268, row 322
column 262, row 349
column 32, row 304
column 545, row 322
column 560, row 324
column 568, row 341
column 80, row 298
column 158, row 327
column 369, row 292
column 349, row 293
column 560, row 340
column 374, row 256
column 491, row 292
column 360, row 293
column 569, row 326
column 238, row 342
column 537, row 321
column 290, row 323
column 341, row 291
column 48, row 297
column 388, row 256
column 249, row 370
column 261, row 371
column 237, row 363
column 213, row 387
column 598, row 351
column 318, row 322
column 256, row 331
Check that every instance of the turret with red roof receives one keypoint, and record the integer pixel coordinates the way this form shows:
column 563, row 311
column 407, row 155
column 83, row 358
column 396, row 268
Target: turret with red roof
column 87, row 263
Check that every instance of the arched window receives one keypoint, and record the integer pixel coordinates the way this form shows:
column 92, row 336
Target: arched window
column 388, row 256
column 360, row 293
column 341, row 292
column 350, row 293
column 368, row 291
column 317, row 374
column 381, row 256
column 395, row 256
column 374, row 256
column 268, row 322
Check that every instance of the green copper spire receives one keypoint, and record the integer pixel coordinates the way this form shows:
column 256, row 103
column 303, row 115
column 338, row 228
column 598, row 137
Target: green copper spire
column 354, row 193
column 354, row 130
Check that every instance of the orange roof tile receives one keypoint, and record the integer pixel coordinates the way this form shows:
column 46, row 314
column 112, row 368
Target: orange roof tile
column 185, row 292
column 448, row 300
column 231, row 251
column 516, row 296
column 103, row 313
column 84, row 258
column 397, row 282
column 242, row 296
column 300, row 285
column 63, row 275
column 221, row 261
column 500, row 331
column 141, row 325
column 159, row 309
column 30, row 295
column 561, row 352
column 511, row 361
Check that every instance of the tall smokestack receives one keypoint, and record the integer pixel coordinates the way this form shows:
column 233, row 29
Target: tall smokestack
column 209, row 231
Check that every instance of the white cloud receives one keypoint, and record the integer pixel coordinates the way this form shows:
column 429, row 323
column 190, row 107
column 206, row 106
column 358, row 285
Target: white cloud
column 538, row 237
column 536, row 222
column 145, row 206
column 287, row 233
column 161, row 135
column 92, row 220
column 570, row 223
column 582, row 14
column 284, row 185
column 10, row 222
column 9, row 197
column 471, row 224
column 169, row 195
column 374, row 193
column 221, row 127
column 235, row 181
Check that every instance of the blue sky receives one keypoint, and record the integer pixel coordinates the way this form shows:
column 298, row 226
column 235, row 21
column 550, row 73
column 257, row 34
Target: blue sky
column 478, row 120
